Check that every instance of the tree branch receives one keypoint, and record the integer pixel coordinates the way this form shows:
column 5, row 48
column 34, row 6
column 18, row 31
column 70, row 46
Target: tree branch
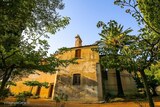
column 11, row 55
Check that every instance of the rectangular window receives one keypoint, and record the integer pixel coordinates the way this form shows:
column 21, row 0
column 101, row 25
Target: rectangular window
column 78, row 53
column 76, row 79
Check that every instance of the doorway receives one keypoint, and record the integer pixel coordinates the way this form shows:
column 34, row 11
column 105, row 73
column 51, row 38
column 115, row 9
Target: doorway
column 38, row 91
column 50, row 90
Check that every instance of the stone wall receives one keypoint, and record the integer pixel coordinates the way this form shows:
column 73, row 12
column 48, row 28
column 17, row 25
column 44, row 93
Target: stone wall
column 39, row 76
column 86, row 67
column 128, row 83
column 86, row 91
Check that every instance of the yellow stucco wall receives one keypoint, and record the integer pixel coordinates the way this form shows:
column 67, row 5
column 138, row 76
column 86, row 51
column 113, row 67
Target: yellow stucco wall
column 41, row 77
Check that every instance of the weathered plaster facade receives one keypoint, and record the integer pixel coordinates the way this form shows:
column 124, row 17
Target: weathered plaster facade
column 128, row 83
column 86, row 68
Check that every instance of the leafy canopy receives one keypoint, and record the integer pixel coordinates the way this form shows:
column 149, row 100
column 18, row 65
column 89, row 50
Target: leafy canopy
column 24, row 29
column 36, row 83
column 113, row 41
column 146, row 12
column 150, row 10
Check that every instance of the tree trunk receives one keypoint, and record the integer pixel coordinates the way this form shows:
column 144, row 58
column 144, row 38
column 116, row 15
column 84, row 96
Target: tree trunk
column 119, row 84
column 31, row 89
column 149, row 97
column 4, row 81
column 3, row 84
column 154, row 91
column 5, row 78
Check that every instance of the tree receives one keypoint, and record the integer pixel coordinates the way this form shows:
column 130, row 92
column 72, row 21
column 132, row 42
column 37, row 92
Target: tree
column 131, row 53
column 24, row 28
column 149, row 36
column 113, row 39
column 145, row 12
column 142, row 54
column 37, row 15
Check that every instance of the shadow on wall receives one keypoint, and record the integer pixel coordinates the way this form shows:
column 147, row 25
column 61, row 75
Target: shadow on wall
column 86, row 90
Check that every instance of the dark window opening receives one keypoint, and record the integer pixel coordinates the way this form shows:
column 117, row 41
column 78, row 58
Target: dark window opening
column 78, row 53
column 38, row 91
column 76, row 79
column 50, row 90
column 105, row 74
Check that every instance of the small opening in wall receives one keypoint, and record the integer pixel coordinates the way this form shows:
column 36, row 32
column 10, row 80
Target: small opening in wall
column 76, row 79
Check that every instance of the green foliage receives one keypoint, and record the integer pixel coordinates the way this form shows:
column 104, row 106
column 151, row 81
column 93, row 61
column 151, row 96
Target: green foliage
column 113, row 42
column 153, row 76
column 39, row 15
column 4, row 93
column 61, row 97
column 144, row 11
column 131, row 8
column 131, row 53
column 57, row 99
column 150, row 10
column 62, row 50
column 45, row 84
column 154, row 72
column 9, row 83
column 146, row 49
column 32, row 83
column 36, row 83
column 25, row 26
column 24, row 93
column 21, row 98
column 139, row 82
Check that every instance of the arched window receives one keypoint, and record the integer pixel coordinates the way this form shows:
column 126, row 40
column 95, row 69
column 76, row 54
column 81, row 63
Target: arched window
column 76, row 79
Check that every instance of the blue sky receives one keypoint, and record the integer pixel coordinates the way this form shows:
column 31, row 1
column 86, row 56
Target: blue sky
column 84, row 16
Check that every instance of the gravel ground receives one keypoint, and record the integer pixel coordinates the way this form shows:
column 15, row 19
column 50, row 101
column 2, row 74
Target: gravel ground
column 49, row 103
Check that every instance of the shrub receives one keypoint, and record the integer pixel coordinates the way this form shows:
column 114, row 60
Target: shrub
column 5, row 93
column 61, row 97
column 27, row 93
column 22, row 97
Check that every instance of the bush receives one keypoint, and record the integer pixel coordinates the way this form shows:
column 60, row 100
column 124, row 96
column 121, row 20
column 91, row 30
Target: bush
column 57, row 99
column 5, row 93
column 22, row 97
column 61, row 97
column 27, row 93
